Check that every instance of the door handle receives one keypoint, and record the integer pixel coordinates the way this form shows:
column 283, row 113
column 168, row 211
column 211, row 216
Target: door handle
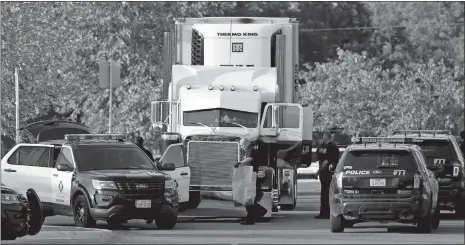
column 55, row 175
column 9, row 170
column 184, row 173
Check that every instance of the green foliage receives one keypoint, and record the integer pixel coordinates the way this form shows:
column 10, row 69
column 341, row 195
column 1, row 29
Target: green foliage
column 356, row 93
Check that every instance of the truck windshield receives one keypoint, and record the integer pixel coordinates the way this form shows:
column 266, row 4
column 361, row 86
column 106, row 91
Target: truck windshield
column 110, row 158
column 220, row 118
column 379, row 159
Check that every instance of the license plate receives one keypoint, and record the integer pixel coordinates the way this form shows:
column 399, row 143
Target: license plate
column 377, row 182
column 143, row 203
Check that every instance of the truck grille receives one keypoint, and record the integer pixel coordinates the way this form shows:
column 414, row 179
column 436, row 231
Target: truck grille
column 141, row 186
column 212, row 162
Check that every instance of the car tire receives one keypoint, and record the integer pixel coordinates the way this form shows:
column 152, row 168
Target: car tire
column 336, row 223
column 81, row 213
column 436, row 218
column 36, row 219
column 166, row 222
column 425, row 224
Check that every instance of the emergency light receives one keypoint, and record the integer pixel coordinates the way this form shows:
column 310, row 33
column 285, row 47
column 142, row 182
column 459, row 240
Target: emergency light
column 97, row 137
column 380, row 140
column 419, row 132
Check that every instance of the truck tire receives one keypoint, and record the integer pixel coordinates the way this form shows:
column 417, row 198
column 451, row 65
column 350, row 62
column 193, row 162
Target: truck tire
column 81, row 213
column 194, row 200
column 436, row 217
column 166, row 222
column 337, row 223
column 425, row 224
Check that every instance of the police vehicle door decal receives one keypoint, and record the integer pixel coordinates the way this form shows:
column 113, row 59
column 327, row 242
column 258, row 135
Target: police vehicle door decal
column 61, row 179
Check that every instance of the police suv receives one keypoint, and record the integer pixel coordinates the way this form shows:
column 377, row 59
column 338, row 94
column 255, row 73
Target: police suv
column 445, row 159
column 94, row 177
column 383, row 180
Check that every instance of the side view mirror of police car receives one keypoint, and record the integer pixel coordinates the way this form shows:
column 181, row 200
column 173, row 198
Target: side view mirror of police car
column 168, row 166
column 64, row 167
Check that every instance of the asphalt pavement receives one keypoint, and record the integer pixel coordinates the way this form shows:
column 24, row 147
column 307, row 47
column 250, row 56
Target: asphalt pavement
column 287, row 227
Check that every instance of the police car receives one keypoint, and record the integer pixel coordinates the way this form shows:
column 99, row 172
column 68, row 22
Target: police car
column 383, row 180
column 445, row 159
column 94, row 177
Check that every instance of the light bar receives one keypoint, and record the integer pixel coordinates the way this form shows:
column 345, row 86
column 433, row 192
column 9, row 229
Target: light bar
column 101, row 137
column 423, row 132
column 362, row 140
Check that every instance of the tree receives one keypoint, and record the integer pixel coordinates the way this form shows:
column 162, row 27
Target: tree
column 356, row 93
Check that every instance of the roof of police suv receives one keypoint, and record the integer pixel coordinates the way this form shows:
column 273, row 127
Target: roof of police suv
column 89, row 143
column 382, row 146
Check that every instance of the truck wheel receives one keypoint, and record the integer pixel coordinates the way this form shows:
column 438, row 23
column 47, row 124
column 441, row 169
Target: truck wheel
column 336, row 223
column 182, row 207
column 425, row 224
column 37, row 219
column 194, row 200
column 290, row 207
column 82, row 216
column 436, row 217
column 166, row 222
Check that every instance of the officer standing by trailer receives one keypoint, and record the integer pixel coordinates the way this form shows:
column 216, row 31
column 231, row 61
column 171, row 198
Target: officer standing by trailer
column 254, row 211
column 328, row 157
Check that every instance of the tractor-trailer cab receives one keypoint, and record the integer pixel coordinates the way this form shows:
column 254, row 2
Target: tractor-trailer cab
column 234, row 78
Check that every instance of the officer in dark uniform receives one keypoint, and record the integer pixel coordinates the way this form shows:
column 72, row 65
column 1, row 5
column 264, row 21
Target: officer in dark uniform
column 140, row 143
column 254, row 211
column 328, row 156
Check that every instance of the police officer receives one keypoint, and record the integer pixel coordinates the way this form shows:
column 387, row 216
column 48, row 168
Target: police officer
column 254, row 211
column 328, row 156
column 140, row 143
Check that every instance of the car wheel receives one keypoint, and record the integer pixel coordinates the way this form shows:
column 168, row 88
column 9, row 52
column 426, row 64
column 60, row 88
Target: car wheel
column 82, row 216
column 36, row 219
column 425, row 224
column 436, row 217
column 336, row 223
column 166, row 222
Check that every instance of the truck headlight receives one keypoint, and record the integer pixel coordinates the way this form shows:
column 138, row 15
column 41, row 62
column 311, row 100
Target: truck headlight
column 10, row 198
column 170, row 185
column 103, row 185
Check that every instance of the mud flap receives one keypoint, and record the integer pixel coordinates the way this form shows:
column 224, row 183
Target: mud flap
column 36, row 220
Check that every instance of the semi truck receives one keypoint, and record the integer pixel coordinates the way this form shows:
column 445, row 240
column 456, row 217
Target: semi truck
column 229, row 80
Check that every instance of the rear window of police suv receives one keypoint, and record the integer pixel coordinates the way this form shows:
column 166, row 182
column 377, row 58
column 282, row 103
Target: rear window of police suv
column 378, row 159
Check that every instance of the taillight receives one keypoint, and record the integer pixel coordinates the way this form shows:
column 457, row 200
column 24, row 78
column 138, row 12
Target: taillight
column 339, row 180
column 456, row 170
column 416, row 181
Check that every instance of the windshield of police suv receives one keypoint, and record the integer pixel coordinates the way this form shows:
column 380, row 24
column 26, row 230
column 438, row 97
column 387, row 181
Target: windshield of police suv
column 221, row 118
column 108, row 158
column 379, row 159
column 437, row 149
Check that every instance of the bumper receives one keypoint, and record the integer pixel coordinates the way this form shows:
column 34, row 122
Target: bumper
column 450, row 197
column 14, row 219
column 380, row 210
column 123, row 207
